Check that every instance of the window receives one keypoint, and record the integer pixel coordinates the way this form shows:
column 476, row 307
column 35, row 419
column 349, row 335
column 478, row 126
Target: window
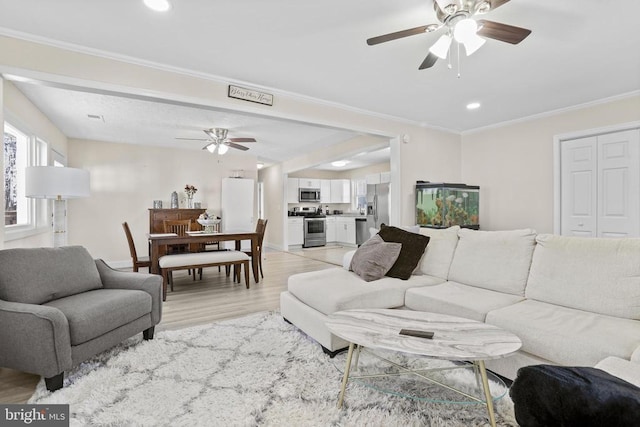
column 21, row 150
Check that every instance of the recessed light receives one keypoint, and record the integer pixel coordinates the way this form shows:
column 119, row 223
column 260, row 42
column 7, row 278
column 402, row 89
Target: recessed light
column 473, row 106
column 158, row 5
column 339, row 163
column 260, row 165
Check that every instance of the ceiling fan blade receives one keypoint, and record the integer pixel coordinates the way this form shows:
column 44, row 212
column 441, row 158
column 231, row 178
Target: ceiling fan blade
column 241, row 140
column 397, row 35
column 428, row 61
column 497, row 3
column 502, row 32
column 193, row 139
column 239, row 147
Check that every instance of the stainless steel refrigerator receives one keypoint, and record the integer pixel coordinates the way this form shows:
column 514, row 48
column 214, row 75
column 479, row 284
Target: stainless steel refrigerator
column 377, row 206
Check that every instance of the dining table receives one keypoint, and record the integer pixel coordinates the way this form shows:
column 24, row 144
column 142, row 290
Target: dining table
column 158, row 243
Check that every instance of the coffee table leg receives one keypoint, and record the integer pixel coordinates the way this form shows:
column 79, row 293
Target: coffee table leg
column 487, row 392
column 355, row 362
column 345, row 377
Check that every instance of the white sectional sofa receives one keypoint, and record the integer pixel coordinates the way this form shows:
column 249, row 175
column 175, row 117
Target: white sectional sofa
column 572, row 301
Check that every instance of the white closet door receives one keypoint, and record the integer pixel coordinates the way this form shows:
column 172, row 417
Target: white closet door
column 619, row 184
column 579, row 187
column 600, row 185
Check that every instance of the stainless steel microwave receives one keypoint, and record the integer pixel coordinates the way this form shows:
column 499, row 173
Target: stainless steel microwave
column 309, row 195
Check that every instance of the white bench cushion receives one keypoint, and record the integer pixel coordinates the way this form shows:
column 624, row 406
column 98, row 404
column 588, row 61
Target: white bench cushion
column 455, row 298
column 567, row 336
column 592, row 274
column 495, row 260
column 201, row 258
column 336, row 289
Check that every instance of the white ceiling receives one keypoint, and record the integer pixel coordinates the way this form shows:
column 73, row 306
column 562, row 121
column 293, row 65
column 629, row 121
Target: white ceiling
column 579, row 52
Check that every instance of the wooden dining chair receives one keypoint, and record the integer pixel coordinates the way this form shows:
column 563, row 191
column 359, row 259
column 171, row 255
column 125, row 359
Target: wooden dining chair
column 138, row 262
column 178, row 226
column 261, row 227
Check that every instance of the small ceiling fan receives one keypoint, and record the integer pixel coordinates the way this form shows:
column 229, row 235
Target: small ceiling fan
column 457, row 17
column 218, row 140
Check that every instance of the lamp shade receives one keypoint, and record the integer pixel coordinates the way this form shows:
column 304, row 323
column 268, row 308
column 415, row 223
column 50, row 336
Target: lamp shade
column 441, row 47
column 50, row 182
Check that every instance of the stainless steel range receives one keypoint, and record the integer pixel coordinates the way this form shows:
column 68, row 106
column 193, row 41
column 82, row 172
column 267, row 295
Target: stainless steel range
column 315, row 230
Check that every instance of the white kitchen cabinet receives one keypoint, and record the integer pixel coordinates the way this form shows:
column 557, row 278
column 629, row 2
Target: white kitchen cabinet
column 346, row 230
column 296, row 231
column 292, row 190
column 340, row 191
column 378, row 178
column 308, row 183
column 325, row 191
column 373, row 178
column 331, row 229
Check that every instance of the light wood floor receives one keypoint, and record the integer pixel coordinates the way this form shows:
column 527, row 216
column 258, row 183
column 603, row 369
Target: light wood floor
column 214, row 298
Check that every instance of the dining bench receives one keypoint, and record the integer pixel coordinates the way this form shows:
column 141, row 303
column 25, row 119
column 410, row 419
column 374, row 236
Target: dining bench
column 198, row 260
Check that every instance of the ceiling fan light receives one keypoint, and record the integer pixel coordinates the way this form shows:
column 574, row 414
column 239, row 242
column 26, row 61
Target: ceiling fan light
column 441, row 47
column 211, row 148
column 473, row 44
column 222, row 149
column 465, row 30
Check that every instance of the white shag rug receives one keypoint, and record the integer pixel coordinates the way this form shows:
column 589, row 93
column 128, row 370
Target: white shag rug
column 255, row 370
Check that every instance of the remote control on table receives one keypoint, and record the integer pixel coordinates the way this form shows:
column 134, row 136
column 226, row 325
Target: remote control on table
column 416, row 333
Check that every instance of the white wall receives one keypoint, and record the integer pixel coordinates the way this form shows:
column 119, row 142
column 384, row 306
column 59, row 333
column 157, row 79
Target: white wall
column 125, row 179
column 274, row 206
column 513, row 164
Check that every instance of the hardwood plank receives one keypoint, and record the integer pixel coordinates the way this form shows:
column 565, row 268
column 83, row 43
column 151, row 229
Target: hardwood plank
column 213, row 298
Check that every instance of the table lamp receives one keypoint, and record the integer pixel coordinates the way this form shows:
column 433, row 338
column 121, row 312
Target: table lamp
column 59, row 184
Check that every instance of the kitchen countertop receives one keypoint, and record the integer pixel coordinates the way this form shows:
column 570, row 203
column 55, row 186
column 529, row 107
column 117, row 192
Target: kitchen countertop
column 356, row 215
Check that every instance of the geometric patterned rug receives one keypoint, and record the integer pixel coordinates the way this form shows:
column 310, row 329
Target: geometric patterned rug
column 252, row 371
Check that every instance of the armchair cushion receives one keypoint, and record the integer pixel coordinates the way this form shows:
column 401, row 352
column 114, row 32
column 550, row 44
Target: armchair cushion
column 40, row 275
column 94, row 313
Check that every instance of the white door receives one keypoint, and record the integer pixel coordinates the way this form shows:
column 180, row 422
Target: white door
column 579, row 186
column 618, row 184
column 600, row 185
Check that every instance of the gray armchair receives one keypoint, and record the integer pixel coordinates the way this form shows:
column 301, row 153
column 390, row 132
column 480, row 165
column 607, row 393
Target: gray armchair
column 59, row 306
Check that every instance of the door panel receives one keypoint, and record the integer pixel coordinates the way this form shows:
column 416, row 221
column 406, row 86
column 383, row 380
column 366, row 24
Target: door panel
column 618, row 184
column 579, row 181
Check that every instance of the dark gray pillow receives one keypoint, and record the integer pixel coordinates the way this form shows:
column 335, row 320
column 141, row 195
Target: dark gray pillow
column 374, row 258
column 413, row 246
column 39, row 275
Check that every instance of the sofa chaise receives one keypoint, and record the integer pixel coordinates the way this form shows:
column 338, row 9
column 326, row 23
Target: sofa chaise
column 573, row 301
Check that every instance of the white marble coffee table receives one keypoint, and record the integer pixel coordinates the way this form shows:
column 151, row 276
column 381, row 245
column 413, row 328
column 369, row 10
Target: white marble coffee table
column 455, row 339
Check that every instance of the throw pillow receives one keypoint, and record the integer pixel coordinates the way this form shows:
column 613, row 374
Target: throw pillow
column 374, row 258
column 413, row 246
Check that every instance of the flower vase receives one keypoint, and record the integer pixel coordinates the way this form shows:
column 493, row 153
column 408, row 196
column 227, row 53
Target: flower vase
column 189, row 202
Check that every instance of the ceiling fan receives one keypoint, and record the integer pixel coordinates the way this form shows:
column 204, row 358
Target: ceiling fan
column 457, row 17
column 218, row 140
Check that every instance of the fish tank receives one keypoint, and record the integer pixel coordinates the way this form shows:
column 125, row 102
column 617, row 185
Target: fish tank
column 442, row 205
